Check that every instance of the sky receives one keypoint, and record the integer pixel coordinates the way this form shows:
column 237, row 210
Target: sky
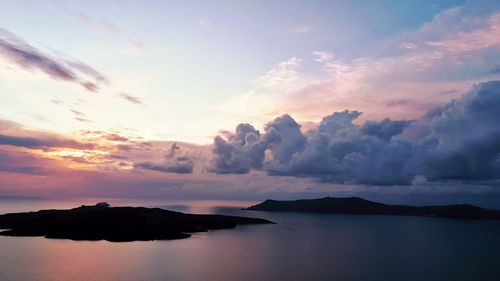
column 391, row 100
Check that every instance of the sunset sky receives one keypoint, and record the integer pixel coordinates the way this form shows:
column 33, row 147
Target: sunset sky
column 250, row 100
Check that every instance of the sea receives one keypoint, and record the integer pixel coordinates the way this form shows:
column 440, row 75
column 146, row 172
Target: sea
column 299, row 247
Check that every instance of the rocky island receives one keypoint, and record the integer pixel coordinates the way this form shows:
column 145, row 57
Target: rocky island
column 360, row 206
column 115, row 224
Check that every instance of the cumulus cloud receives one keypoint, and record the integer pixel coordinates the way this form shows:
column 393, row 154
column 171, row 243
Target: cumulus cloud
column 385, row 129
column 284, row 138
column 464, row 142
column 17, row 51
column 240, row 152
column 457, row 141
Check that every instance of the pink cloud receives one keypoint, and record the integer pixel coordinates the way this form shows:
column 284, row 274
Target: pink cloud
column 446, row 55
column 15, row 50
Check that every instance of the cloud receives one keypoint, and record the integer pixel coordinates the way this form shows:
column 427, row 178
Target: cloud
column 284, row 74
column 24, row 170
column 273, row 86
column 15, row 50
column 284, row 138
column 14, row 134
column 457, row 141
column 83, row 119
column 385, row 129
column 21, row 163
column 330, row 63
column 97, row 150
column 464, row 142
column 240, row 152
column 172, row 151
column 41, row 143
column 77, row 113
column 431, row 64
column 173, row 163
column 104, row 25
column 80, row 116
column 182, row 165
column 131, row 98
column 86, row 69
column 116, row 137
column 495, row 69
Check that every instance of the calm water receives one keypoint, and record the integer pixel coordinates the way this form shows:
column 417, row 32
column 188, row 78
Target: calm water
column 299, row 247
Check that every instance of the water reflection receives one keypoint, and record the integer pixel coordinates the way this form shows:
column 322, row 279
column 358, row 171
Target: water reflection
column 299, row 247
column 204, row 206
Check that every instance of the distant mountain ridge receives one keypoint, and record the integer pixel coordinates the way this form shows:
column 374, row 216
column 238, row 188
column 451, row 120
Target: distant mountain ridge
column 360, row 206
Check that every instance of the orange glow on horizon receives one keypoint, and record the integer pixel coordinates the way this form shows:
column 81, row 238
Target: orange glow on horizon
column 77, row 158
column 69, row 152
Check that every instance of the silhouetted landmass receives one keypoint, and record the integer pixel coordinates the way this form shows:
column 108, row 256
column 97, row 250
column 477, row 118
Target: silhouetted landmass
column 116, row 224
column 360, row 206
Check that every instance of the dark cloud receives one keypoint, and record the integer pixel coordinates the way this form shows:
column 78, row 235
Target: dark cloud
column 448, row 92
column 457, row 141
column 116, row 137
column 240, row 152
column 41, row 142
column 119, row 157
column 20, row 163
column 124, row 147
column 284, row 138
column 172, row 150
column 396, row 103
column 172, row 164
column 464, row 142
column 21, row 53
column 86, row 69
column 131, row 98
column 414, row 104
column 24, row 170
column 495, row 70
column 182, row 165
column 385, row 129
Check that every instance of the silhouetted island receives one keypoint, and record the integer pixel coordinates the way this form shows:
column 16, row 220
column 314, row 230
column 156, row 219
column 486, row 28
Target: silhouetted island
column 116, row 224
column 360, row 206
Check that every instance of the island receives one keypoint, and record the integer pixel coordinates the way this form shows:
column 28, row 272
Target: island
column 360, row 206
column 116, row 224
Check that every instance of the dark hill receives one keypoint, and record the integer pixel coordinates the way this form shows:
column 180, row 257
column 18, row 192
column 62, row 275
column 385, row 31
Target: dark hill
column 359, row 206
column 116, row 224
